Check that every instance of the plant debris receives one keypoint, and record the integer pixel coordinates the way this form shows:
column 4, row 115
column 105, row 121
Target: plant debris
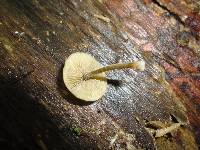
column 164, row 131
column 76, row 130
column 106, row 19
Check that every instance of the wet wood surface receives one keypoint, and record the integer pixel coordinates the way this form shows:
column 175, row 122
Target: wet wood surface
column 38, row 112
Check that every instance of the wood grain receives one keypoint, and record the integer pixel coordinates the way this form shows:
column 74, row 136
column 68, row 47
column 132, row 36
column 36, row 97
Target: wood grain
column 38, row 112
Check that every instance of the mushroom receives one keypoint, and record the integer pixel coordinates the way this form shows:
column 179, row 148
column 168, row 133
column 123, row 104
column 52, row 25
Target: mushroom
column 85, row 77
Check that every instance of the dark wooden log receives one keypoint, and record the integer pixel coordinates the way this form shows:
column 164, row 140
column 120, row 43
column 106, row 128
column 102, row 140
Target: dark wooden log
column 38, row 112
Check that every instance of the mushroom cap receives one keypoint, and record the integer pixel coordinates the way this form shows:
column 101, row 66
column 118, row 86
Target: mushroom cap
column 77, row 65
column 140, row 65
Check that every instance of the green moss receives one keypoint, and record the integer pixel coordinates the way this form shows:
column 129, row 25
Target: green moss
column 76, row 130
column 183, row 38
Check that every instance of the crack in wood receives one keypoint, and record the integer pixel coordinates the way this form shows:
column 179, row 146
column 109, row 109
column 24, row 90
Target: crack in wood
column 156, row 2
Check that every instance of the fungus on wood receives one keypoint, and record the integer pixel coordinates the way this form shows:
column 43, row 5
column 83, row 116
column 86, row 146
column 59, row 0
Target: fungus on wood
column 85, row 77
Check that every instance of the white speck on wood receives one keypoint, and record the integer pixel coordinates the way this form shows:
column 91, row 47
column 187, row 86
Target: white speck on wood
column 106, row 19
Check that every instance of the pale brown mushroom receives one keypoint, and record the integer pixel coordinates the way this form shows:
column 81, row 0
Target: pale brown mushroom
column 85, row 77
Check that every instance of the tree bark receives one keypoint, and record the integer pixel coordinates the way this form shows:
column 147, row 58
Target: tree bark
column 38, row 112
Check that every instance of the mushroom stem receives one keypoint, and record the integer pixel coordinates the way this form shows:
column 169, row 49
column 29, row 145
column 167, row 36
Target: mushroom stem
column 98, row 78
column 138, row 65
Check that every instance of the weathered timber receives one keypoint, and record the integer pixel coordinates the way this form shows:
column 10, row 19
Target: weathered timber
column 38, row 112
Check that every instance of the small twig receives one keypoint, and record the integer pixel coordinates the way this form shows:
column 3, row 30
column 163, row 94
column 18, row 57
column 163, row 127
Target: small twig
column 164, row 131
column 155, row 124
